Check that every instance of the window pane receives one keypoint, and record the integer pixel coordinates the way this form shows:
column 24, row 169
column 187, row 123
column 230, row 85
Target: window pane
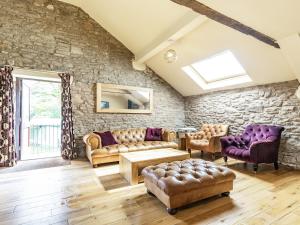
column 218, row 67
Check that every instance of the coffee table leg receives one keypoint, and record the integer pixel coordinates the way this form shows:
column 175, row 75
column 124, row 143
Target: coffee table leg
column 134, row 175
column 128, row 170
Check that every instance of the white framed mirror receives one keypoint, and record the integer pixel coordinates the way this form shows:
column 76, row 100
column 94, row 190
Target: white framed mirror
column 113, row 98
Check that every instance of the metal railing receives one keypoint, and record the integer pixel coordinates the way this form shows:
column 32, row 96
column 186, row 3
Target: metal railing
column 44, row 138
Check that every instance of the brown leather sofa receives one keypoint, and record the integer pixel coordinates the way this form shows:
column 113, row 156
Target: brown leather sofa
column 207, row 139
column 128, row 140
column 180, row 183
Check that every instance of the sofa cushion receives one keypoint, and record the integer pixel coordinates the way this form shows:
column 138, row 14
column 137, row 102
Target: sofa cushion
column 153, row 134
column 199, row 143
column 135, row 146
column 110, row 149
column 183, row 176
column 154, row 144
column 106, row 138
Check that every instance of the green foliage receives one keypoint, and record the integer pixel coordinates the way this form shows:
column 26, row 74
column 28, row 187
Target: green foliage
column 45, row 99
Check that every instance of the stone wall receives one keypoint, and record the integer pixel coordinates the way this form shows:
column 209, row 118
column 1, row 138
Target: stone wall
column 268, row 104
column 51, row 35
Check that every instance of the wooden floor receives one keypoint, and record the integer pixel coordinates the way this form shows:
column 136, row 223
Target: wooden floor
column 78, row 194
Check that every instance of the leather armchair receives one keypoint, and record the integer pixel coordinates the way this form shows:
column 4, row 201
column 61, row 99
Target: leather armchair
column 207, row 139
column 257, row 144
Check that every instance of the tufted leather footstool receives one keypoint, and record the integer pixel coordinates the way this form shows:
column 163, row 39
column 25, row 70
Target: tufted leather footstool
column 182, row 182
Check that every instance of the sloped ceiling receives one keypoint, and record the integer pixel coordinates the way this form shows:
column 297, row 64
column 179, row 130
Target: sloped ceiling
column 141, row 24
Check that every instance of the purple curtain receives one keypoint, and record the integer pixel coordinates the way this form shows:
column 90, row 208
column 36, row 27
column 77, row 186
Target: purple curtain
column 8, row 155
column 67, row 132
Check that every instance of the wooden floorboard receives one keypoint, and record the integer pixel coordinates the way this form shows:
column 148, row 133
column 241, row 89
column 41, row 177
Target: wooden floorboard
column 77, row 194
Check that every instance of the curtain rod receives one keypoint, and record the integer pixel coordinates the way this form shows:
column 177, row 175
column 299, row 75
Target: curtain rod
column 35, row 70
column 42, row 71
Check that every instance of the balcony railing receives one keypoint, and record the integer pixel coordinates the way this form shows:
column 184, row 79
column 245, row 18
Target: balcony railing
column 44, row 138
column 42, row 141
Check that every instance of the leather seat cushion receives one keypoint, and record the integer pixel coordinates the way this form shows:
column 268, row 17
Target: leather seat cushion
column 199, row 143
column 134, row 146
column 183, row 176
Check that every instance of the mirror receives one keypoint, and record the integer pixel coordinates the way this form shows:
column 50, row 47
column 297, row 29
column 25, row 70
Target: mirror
column 113, row 98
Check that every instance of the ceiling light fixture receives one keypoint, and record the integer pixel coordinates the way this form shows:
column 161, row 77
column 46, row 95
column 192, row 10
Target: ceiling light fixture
column 170, row 56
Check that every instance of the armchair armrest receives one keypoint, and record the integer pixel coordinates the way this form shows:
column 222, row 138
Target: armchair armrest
column 215, row 142
column 169, row 135
column 265, row 151
column 231, row 140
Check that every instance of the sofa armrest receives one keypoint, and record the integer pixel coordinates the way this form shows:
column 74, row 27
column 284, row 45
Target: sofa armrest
column 92, row 141
column 169, row 136
column 265, row 150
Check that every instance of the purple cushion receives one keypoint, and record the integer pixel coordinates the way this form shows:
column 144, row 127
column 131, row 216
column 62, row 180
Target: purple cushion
column 238, row 153
column 153, row 134
column 107, row 138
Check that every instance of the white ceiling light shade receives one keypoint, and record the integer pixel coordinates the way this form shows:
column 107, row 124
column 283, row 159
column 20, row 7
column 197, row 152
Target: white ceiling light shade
column 218, row 71
column 170, row 56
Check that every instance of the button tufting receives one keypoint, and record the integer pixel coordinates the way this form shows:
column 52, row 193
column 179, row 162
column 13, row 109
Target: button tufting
column 180, row 178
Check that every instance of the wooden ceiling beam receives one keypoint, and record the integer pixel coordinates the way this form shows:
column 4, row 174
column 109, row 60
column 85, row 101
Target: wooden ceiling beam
column 227, row 21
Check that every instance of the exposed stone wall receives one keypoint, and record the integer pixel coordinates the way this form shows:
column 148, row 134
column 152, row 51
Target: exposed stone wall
column 268, row 104
column 51, row 35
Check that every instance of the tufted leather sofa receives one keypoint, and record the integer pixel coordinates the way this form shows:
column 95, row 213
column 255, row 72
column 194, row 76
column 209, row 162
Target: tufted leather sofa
column 257, row 144
column 182, row 182
column 128, row 140
column 207, row 139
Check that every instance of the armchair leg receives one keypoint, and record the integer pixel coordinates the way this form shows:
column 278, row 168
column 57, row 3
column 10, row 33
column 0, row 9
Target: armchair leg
column 213, row 156
column 276, row 165
column 255, row 167
column 225, row 159
column 202, row 153
column 190, row 152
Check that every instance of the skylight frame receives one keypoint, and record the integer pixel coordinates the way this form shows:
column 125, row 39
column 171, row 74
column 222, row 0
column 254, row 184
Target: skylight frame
column 220, row 82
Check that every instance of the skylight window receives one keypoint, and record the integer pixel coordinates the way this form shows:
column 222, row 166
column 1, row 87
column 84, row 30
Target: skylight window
column 217, row 71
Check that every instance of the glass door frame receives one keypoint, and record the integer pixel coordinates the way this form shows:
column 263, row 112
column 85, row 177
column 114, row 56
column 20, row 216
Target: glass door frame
column 18, row 111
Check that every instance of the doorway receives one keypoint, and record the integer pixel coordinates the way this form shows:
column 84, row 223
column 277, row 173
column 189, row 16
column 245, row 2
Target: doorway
column 38, row 118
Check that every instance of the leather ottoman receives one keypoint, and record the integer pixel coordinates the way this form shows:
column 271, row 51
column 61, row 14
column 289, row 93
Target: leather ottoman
column 179, row 183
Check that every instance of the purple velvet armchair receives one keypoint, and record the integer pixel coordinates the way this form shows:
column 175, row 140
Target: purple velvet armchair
column 258, row 144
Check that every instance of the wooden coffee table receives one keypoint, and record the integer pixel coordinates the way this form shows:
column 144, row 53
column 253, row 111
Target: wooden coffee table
column 132, row 163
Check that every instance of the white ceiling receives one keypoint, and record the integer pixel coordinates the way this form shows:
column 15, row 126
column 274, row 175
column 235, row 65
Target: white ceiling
column 144, row 24
column 276, row 18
